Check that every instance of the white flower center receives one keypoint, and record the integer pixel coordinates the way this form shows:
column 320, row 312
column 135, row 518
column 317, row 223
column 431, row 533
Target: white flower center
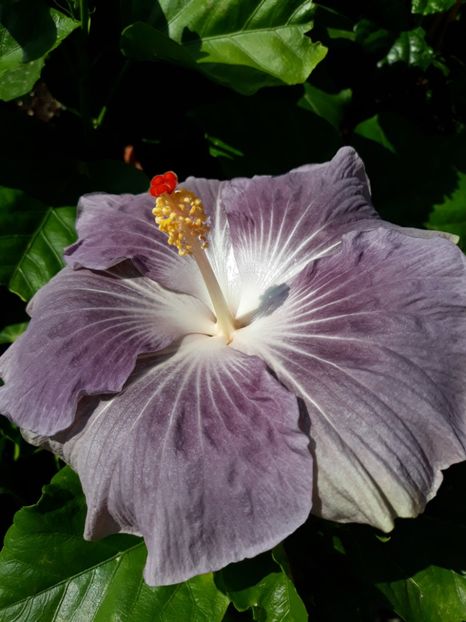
column 181, row 216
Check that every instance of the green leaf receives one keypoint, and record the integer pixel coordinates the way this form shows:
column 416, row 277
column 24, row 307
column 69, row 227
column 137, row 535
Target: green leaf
column 20, row 80
column 375, row 40
column 265, row 134
column 43, row 255
column 426, row 7
column 33, row 235
column 246, row 44
column 450, row 215
column 411, row 48
column 419, row 570
column 27, row 34
column 407, row 182
column 59, row 576
column 32, row 241
column 373, row 131
column 263, row 585
column 329, row 106
column 10, row 333
column 220, row 149
column 336, row 25
column 19, row 217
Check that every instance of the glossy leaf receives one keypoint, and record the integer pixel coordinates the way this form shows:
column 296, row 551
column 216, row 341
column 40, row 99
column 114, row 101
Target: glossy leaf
column 27, row 34
column 450, row 215
column 411, row 48
column 49, row 573
column 263, row 585
column 244, row 45
column 19, row 217
column 33, row 236
column 426, row 7
column 20, row 80
column 42, row 257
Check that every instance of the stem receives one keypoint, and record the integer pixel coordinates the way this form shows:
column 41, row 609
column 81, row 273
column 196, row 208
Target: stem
column 84, row 80
column 224, row 318
column 115, row 86
column 84, row 16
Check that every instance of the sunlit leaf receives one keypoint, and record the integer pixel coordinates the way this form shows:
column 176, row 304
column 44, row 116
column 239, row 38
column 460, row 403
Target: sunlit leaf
column 59, row 576
column 244, row 44
column 27, row 34
column 426, row 7
column 411, row 48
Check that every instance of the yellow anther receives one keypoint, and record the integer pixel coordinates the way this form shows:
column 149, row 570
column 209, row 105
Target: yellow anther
column 181, row 216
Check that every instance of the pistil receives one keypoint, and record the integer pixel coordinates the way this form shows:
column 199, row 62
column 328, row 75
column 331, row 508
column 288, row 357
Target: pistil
column 181, row 216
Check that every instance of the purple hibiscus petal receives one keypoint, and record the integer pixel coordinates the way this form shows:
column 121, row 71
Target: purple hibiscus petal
column 279, row 224
column 373, row 339
column 87, row 330
column 201, row 454
column 112, row 228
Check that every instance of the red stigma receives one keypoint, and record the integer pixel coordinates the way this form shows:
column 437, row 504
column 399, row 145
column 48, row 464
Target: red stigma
column 163, row 183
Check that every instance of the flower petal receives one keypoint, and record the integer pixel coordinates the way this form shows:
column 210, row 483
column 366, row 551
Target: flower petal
column 201, row 454
column 113, row 228
column 373, row 339
column 86, row 332
column 279, row 224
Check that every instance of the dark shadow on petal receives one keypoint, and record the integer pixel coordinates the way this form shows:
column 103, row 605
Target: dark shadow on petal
column 273, row 298
column 305, row 427
column 304, row 419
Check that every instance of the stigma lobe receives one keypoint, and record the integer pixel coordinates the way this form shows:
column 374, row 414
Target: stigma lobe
column 161, row 184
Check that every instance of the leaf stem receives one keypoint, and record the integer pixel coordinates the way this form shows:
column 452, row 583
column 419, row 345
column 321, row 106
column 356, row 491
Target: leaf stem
column 115, row 86
column 84, row 81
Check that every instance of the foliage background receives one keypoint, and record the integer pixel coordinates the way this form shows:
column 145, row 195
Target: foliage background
column 99, row 96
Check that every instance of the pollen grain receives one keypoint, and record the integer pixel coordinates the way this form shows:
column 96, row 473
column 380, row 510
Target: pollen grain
column 181, row 216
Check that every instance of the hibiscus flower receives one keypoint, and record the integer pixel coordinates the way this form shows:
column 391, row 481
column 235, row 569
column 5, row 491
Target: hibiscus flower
column 286, row 352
